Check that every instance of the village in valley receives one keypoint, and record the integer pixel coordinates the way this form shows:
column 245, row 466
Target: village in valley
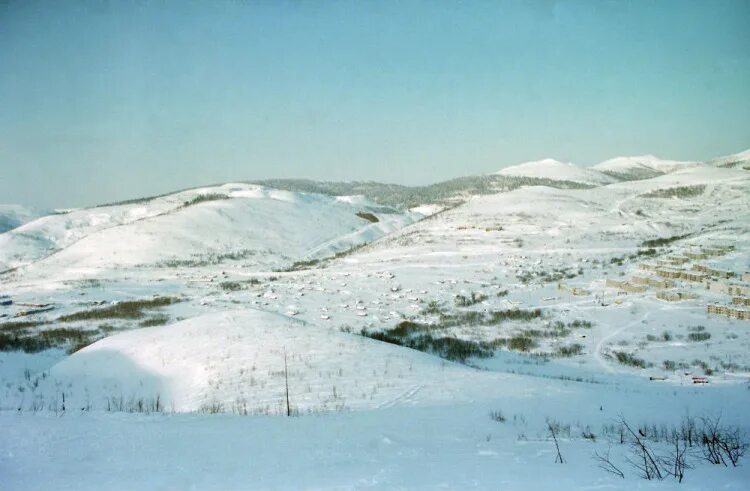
column 674, row 282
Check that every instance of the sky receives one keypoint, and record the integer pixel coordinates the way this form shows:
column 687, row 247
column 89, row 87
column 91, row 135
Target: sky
column 105, row 100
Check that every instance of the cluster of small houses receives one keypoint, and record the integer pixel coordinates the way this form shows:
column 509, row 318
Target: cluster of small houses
column 395, row 297
column 667, row 271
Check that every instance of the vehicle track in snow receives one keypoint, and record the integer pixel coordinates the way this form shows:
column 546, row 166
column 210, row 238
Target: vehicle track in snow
column 600, row 345
column 405, row 397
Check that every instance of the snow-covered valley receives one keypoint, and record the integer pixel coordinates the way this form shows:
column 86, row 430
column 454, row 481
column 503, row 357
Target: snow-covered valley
column 452, row 342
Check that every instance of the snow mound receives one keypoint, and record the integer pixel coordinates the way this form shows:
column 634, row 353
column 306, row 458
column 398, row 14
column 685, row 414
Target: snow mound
column 640, row 167
column 235, row 361
column 558, row 171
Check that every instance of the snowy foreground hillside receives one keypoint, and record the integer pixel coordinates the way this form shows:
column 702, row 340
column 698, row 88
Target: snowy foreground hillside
column 546, row 327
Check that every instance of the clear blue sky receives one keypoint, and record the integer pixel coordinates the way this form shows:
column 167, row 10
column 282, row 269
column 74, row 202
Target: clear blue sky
column 105, row 100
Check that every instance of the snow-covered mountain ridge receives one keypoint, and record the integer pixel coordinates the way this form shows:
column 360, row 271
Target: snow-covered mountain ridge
column 274, row 227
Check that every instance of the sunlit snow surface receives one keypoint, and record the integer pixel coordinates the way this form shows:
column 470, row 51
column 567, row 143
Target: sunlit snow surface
column 371, row 415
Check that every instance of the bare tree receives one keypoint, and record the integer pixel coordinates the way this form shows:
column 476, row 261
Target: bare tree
column 552, row 427
column 286, row 385
column 677, row 461
column 645, row 461
column 688, row 431
column 710, row 438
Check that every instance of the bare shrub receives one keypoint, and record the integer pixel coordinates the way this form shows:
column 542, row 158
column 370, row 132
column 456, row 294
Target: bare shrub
column 643, row 458
column 722, row 444
column 605, row 463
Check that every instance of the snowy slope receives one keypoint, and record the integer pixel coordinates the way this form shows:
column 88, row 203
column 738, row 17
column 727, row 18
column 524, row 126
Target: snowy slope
column 558, row 171
column 236, row 360
column 263, row 225
column 737, row 160
column 52, row 233
column 402, row 448
column 12, row 216
column 543, row 216
column 640, row 167
column 527, row 241
column 416, row 421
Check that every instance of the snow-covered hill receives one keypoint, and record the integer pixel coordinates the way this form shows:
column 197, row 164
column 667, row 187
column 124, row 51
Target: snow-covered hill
column 12, row 216
column 739, row 160
column 640, row 167
column 558, row 171
column 237, row 221
column 235, row 361
column 616, row 169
